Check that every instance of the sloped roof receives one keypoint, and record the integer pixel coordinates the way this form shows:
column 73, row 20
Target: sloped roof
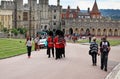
column 95, row 8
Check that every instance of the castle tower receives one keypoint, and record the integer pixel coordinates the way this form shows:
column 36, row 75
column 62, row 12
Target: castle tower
column 33, row 3
column 95, row 13
column 19, row 4
column 58, row 2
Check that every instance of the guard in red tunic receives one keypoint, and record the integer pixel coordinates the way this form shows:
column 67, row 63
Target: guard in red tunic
column 50, row 44
column 57, row 44
column 62, row 44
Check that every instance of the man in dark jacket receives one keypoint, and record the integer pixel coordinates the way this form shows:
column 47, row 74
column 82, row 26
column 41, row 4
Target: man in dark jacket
column 104, row 49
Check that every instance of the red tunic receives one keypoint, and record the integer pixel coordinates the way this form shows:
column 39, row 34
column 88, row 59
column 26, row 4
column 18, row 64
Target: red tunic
column 50, row 42
column 57, row 44
column 62, row 45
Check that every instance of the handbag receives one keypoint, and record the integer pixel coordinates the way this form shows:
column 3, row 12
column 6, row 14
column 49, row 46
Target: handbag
column 90, row 53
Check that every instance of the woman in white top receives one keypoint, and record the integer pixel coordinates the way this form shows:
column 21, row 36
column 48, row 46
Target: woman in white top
column 29, row 46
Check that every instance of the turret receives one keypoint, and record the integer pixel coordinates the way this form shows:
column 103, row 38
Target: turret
column 58, row 2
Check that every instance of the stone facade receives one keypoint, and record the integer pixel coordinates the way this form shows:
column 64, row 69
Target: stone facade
column 5, row 19
column 94, row 27
column 88, row 23
column 40, row 16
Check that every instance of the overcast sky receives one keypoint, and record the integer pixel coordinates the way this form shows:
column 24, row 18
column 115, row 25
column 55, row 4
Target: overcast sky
column 84, row 4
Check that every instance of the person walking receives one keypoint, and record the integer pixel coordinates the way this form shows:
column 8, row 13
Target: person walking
column 104, row 49
column 29, row 46
column 94, row 51
column 36, row 42
column 50, row 44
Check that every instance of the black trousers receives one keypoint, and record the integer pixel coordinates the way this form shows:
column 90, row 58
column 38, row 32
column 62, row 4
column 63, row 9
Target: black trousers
column 62, row 52
column 48, row 51
column 29, row 50
column 104, row 60
column 58, row 51
column 94, row 57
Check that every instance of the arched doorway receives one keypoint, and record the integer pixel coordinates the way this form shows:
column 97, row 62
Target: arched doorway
column 93, row 31
column 82, row 31
column 110, row 32
column 104, row 32
column 99, row 32
column 87, row 32
column 116, row 32
column 76, row 30
column 70, row 31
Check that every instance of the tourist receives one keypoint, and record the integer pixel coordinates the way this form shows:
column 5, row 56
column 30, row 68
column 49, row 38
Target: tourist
column 29, row 46
column 94, row 51
column 36, row 42
column 104, row 49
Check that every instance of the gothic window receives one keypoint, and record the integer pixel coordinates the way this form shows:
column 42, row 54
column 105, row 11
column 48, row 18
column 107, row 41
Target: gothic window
column 45, row 27
column 54, row 17
column 33, row 18
column 54, row 23
column 19, row 17
column 54, row 11
column 25, row 16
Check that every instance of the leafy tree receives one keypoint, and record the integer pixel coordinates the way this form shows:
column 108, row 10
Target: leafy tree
column 15, row 31
column 22, row 30
column 5, row 30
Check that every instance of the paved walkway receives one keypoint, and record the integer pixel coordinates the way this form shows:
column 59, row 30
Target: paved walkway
column 76, row 65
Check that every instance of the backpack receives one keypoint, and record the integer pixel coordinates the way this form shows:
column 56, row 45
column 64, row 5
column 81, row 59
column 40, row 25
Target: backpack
column 104, row 46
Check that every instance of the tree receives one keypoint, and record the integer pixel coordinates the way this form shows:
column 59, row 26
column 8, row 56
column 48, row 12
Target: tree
column 15, row 31
column 5, row 30
column 22, row 30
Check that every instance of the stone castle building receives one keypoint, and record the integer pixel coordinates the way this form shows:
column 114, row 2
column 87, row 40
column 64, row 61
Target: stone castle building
column 88, row 23
column 42, row 16
column 34, row 16
column 5, row 19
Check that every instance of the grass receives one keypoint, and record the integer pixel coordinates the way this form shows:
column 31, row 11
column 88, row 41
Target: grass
column 12, row 47
column 113, row 42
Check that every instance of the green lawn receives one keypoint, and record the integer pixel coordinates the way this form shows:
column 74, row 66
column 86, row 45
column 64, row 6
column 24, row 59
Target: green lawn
column 113, row 42
column 14, row 47
column 11, row 47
